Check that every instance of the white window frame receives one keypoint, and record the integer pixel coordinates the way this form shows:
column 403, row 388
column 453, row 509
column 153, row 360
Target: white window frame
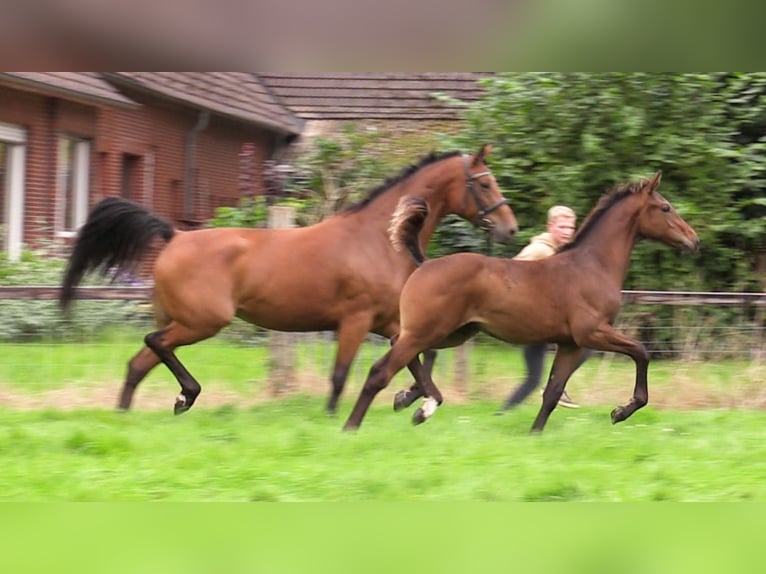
column 80, row 163
column 15, row 139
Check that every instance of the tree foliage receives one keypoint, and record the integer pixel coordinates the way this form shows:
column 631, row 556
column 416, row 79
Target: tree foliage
column 569, row 137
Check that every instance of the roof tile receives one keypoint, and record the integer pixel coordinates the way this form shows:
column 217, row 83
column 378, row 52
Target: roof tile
column 79, row 85
column 373, row 95
column 235, row 94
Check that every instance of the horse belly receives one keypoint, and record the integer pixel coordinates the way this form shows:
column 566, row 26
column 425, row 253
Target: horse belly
column 523, row 323
column 289, row 314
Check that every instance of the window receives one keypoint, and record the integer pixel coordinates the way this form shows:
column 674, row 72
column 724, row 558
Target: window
column 12, row 159
column 130, row 172
column 73, row 182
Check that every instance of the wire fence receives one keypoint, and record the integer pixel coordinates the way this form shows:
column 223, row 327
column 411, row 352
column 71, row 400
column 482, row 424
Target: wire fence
column 707, row 349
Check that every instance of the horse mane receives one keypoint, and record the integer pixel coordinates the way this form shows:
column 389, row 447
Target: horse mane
column 429, row 159
column 605, row 203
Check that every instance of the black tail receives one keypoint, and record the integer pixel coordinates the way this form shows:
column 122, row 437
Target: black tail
column 113, row 239
column 406, row 224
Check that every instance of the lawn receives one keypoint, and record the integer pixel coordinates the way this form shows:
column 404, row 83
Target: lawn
column 89, row 374
column 288, row 450
column 700, row 438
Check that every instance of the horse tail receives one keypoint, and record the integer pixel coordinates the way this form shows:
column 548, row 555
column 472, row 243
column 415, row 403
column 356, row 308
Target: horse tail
column 113, row 240
column 406, row 224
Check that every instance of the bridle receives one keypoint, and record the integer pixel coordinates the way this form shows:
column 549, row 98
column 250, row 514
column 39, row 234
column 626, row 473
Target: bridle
column 470, row 186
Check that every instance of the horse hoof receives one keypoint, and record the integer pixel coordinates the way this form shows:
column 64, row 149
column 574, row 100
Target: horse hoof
column 419, row 417
column 181, row 406
column 401, row 400
column 618, row 415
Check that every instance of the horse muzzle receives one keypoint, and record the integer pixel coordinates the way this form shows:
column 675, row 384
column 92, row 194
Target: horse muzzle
column 499, row 234
column 690, row 245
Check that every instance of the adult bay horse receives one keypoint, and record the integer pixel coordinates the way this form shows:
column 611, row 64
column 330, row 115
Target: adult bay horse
column 341, row 274
column 571, row 298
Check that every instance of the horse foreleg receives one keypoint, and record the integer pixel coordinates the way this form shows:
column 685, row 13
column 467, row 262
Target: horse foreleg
column 163, row 343
column 351, row 334
column 138, row 367
column 607, row 338
column 406, row 397
column 565, row 363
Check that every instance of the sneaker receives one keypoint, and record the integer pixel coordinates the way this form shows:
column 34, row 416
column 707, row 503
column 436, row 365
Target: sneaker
column 567, row 402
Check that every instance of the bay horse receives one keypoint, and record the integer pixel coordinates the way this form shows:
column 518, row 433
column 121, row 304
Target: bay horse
column 571, row 298
column 341, row 274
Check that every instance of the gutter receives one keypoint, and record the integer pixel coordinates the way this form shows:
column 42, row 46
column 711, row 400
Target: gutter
column 189, row 163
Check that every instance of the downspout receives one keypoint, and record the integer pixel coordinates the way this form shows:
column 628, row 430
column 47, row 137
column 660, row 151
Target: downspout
column 189, row 181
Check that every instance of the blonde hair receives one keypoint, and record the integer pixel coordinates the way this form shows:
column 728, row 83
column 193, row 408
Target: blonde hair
column 560, row 211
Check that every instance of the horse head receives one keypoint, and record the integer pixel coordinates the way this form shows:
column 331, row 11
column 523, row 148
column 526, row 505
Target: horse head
column 483, row 202
column 659, row 220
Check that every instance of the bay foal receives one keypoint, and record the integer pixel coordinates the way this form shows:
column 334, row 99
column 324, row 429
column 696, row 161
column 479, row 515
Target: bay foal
column 570, row 299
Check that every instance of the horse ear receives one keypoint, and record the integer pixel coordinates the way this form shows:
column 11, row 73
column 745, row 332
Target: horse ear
column 483, row 153
column 654, row 182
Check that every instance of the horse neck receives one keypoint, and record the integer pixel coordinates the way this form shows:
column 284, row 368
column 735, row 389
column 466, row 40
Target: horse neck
column 610, row 243
column 431, row 183
column 437, row 187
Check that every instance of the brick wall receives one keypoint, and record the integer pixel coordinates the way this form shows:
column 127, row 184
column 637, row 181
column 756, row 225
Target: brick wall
column 44, row 118
column 155, row 135
column 158, row 135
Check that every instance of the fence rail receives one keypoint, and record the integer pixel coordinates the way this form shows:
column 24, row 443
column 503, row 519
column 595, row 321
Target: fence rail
column 123, row 293
column 115, row 293
column 690, row 330
column 692, row 298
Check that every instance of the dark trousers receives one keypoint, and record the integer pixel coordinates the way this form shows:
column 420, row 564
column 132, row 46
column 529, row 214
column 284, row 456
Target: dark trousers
column 534, row 357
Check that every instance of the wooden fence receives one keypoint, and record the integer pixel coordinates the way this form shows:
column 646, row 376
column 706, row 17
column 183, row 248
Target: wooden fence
column 692, row 330
column 742, row 337
column 123, row 293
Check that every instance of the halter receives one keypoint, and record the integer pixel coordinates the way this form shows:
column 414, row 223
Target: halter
column 484, row 222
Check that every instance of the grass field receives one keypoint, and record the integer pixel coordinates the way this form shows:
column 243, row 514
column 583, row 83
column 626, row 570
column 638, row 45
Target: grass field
column 89, row 374
column 699, row 439
column 288, row 450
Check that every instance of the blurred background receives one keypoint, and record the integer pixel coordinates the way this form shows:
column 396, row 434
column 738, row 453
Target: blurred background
column 208, row 149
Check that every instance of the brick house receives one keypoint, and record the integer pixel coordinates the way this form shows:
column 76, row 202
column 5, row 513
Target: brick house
column 172, row 141
column 183, row 143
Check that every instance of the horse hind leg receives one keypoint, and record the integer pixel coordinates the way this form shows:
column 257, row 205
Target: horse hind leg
column 407, row 397
column 138, row 367
column 433, row 399
column 424, row 383
column 163, row 343
column 378, row 378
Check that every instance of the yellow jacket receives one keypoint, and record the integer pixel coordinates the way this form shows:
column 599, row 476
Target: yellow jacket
column 540, row 247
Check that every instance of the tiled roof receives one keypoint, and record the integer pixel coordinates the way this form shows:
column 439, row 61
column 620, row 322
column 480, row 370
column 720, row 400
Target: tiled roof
column 235, row 94
column 373, row 95
column 82, row 86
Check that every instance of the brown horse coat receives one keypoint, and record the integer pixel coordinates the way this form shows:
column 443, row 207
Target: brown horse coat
column 571, row 298
column 341, row 274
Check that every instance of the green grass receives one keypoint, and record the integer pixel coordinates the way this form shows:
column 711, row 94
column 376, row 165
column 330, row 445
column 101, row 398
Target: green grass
column 288, row 450
column 227, row 367
column 699, row 439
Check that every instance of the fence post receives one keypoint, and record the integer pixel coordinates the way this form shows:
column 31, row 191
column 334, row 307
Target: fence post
column 281, row 345
column 462, row 369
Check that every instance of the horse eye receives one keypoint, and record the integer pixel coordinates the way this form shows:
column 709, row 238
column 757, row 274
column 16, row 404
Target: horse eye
column 485, row 185
column 666, row 208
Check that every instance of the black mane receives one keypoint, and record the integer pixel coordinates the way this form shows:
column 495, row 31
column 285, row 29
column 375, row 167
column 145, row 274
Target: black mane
column 597, row 213
column 429, row 159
